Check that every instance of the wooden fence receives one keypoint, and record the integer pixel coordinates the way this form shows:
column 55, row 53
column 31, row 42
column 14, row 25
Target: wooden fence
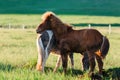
column 9, row 26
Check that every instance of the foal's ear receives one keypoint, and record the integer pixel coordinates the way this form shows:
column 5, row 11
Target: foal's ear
column 50, row 15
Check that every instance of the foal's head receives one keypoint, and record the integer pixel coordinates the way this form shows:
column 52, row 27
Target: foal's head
column 46, row 22
column 51, row 22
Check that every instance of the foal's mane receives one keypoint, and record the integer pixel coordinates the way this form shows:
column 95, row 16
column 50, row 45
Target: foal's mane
column 56, row 22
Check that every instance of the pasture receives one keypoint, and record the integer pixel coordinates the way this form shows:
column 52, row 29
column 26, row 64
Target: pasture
column 18, row 55
column 32, row 20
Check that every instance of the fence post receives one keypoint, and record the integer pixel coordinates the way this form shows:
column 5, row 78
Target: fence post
column 89, row 26
column 109, row 29
column 23, row 26
column 9, row 26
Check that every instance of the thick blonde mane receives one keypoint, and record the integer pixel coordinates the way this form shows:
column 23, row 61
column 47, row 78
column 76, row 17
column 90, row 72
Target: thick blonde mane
column 46, row 15
column 52, row 16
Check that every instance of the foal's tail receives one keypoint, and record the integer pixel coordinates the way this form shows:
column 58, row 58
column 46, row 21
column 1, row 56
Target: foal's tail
column 102, row 52
column 104, row 47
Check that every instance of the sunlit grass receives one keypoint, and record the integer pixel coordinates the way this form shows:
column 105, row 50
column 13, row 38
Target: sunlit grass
column 18, row 56
column 20, row 43
column 34, row 19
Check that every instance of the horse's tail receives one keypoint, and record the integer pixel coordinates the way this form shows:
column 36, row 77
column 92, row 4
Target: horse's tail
column 104, row 48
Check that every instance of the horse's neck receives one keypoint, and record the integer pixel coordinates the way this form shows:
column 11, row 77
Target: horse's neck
column 57, row 34
column 59, row 28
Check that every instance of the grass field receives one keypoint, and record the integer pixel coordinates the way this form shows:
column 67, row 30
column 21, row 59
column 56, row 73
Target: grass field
column 76, row 20
column 18, row 57
column 18, row 52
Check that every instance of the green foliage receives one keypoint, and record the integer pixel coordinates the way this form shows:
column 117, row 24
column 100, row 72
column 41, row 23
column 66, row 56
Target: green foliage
column 83, row 7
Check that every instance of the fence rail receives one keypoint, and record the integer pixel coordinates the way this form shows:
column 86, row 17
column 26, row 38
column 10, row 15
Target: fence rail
column 9, row 26
column 23, row 26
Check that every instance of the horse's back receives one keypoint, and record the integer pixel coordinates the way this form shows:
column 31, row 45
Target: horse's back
column 85, row 39
column 91, row 38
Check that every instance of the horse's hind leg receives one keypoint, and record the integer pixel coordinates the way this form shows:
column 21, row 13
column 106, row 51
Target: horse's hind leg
column 92, row 63
column 41, row 52
column 64, row 62
column 100, row 64
column 72, row 60
column 85, row 61
column 58, row 63
column 59, row 60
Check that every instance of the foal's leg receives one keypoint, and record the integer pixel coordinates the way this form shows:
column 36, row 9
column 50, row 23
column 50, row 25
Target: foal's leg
column 91, row 56
column 64, row 62
column 100, row 64
column 72, row 60
column 64, row 49
column 85, row 61
column 58, row 63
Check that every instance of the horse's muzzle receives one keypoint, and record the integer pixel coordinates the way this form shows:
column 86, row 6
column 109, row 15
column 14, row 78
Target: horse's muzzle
column 38, row 31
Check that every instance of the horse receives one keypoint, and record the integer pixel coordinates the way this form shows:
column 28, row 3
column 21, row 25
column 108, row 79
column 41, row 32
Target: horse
column 45, row 44
column 80, row 41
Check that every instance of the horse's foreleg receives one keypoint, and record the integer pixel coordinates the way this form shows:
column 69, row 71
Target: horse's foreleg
column 64, row 49
column 58, row 63
column 92, row 63
column 85, row 61
column 72, row 60
column 100, row 64
column 64, row 61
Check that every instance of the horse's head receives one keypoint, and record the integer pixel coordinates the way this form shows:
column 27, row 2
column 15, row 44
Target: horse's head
column 51, row 22
column 46, row 22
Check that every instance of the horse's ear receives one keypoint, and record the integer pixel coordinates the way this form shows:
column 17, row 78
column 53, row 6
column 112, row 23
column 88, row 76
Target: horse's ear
column 51, row 15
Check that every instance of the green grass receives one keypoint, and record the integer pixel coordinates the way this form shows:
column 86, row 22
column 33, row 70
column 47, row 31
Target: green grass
column 18, row 56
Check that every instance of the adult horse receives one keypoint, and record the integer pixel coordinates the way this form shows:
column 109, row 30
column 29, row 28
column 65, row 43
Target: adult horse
column 46, row 44
column 69, row 40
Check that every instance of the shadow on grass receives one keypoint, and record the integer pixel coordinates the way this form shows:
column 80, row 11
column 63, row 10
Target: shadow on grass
column 73, row 72
column 112, row 73
column 6, row 67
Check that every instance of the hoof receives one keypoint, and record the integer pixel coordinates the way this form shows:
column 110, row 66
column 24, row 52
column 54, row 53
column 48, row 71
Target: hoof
column 54, row 70
column 39, row 67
